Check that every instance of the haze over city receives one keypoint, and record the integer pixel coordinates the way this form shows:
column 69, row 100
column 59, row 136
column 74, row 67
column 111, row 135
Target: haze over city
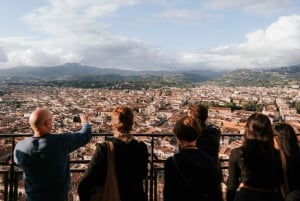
column 150, row 35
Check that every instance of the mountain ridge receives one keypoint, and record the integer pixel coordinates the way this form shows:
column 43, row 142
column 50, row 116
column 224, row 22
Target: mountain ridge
column 70, row 67
column 281, row 76
column 72, row 72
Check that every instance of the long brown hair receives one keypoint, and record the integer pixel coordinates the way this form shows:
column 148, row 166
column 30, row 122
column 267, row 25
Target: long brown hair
column 258, row 152
column 286, row 139
column 259, row 127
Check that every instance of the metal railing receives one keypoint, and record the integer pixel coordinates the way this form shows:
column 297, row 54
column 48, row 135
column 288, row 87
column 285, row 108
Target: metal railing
column 11, row 174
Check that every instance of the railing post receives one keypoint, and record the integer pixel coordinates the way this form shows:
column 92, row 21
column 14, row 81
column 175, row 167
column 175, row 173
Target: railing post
column 6, row 184
column 155, row 184
column 12, row 172
column 151, row 168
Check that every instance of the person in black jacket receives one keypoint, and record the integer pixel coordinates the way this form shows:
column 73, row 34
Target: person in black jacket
column 131, row 161
column 191, row 174
column 209, row 140
column 255, row 171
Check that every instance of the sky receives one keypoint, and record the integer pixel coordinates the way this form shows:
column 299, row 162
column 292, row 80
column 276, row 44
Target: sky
column 150, row 34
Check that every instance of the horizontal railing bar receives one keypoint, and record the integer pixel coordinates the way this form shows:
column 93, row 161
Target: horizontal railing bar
column 110, row 134
column 12, row 172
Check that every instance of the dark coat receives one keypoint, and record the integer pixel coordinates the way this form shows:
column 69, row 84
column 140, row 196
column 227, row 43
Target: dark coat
column 293, row 173
column 131, row 161
column 209, row 141
column 266, row 172
column 201, row 172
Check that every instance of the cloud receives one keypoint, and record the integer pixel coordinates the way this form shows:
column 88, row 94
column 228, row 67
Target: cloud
column 277, row 45
column 258, row 7
column 102, row 50
column 71, row 32
column 69, row 17
column 3, row 57
column 251, row 6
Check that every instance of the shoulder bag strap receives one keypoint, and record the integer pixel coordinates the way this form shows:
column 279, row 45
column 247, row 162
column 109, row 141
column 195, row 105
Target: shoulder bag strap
column 110, row 155
column 112, row 174
column 111, row 158
column 284, row 167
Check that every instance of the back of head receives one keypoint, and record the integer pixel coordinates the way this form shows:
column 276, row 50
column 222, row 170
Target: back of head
column 286, row 138
column 40, row 121
column 258, row 153
column 199, row 112
column 122, row 119
column 187, row 128
column 259, row 127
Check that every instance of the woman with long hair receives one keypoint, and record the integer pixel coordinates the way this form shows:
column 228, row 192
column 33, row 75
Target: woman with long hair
column 131, row 161
column 255, row 170
column 286, row 140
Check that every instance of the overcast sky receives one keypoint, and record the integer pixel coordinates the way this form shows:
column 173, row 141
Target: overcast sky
column 150, row 34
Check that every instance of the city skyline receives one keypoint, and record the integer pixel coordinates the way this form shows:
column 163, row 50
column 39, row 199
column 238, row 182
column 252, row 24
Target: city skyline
column 151, row 35
column 156, row 109
column 155, row 113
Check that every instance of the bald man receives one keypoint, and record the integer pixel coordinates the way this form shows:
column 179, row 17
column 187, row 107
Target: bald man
column 44, row 157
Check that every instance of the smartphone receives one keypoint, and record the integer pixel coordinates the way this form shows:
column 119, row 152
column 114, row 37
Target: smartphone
column 76, row 119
